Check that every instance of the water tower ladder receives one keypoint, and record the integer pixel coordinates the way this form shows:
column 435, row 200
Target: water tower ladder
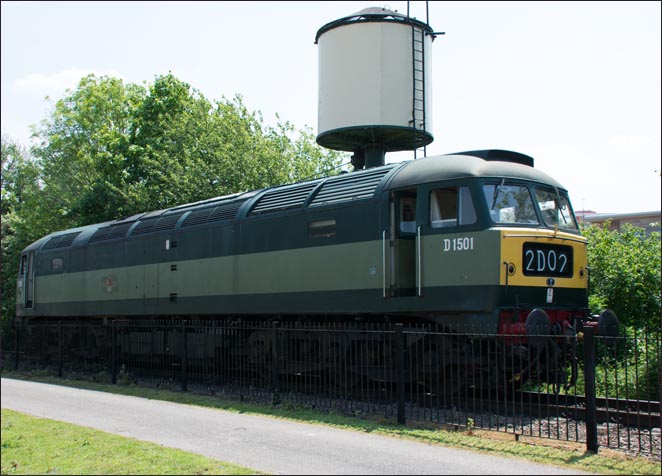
column 418, row 80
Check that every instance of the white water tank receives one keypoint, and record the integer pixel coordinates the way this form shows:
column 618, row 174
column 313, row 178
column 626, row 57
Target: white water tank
column 374, row 82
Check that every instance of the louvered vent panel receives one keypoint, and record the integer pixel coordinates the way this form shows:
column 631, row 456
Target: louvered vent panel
column 197, row 217
column 68, row 239
column 119, row 231
column 101, row 234
column 348, row 187
column 110, row 232
column 52, row 243
column 144, row 226
column 283, row 199
column 61, row 241
column 225, row 212
column 167, row 222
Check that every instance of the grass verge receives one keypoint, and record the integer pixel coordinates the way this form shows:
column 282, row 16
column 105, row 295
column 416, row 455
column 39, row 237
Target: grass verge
column 565, row 454
column 32, row 445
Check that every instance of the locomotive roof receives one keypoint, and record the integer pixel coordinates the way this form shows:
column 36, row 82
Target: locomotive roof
column 327, row 191
column 462, row 165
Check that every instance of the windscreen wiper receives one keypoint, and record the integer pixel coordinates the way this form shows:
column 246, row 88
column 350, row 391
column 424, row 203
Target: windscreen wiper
column 497, row 189
column 558, row 205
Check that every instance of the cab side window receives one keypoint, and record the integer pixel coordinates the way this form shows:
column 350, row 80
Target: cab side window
column 407, row 209
column 451, row 206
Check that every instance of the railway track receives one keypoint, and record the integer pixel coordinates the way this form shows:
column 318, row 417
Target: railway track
column 639, row 413
column 625, row 412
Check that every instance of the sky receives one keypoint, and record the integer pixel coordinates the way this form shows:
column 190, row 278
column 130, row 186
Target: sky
column 575, row 85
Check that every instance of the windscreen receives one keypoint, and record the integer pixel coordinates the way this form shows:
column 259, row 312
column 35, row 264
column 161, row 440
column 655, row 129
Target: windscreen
column 510, row 204
column 555, row 209
column 515, row 204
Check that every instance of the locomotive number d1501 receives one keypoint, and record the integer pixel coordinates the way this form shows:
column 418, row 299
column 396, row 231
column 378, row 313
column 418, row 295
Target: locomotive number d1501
column 539, row 259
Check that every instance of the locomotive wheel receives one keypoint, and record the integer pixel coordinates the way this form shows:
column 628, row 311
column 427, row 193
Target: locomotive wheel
column 442, row 365
column 259, row 353
column 538, row 328
column 335, row 359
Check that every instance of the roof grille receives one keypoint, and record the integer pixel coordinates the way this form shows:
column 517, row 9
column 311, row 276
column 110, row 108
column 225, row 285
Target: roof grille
column 283, row 198
column 111, row 232
column 101, row 234
column 119, row 231
column 150, row 225
column 225, row 212
column 167, row 222
column 349, row 187
column 197, row 217
column 221, row 212
column 144, row 226
column 61, row 241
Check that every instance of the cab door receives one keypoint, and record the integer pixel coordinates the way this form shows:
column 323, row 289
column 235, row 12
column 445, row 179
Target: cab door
column 27, row 269
column 404, row 244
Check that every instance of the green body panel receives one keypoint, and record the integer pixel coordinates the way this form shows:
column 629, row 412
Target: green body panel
column 134, row 282
column 455, row 306
column 446, row 262
column 331, row 268
column 270, row 263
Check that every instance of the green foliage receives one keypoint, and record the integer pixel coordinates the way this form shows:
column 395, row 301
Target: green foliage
column 625, row 274
column 626, row 367
column 20, row 210
column 109, row 150
column 629, row 367
column 82, row 149
column 185, row 149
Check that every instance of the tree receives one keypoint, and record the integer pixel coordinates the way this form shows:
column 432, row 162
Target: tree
column 19, row 210
column 83, row 148
column 625, row 274
column 185, row 148
column 110, row 150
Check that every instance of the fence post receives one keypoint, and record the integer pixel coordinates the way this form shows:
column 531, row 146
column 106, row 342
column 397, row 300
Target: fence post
column 18, row 330
column 275, row 400
column 113, row 355
column 184, row 357
column 59, row 349
column 589, row 390
column 400, row 369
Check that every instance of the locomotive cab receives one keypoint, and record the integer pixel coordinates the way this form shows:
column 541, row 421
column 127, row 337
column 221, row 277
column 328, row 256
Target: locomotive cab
column 475, row 236
column 495, row 249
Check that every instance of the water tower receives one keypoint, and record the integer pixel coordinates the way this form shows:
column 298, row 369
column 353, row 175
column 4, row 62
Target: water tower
column 374, row 93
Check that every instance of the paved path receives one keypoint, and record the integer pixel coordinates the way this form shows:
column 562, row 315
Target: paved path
column 262, row 443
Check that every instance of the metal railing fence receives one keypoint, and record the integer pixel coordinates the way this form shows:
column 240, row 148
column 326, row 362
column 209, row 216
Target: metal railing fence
column 400, row 373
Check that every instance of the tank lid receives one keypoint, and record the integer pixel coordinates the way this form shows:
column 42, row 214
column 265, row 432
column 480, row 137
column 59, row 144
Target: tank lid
column 373, row 14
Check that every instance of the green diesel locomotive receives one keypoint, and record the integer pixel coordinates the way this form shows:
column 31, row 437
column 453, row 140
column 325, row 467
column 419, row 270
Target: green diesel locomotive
column 478, row 240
